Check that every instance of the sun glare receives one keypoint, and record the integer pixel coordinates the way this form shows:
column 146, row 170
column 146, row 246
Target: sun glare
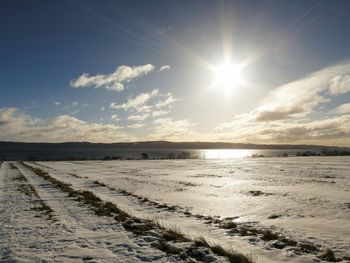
column 228, row 75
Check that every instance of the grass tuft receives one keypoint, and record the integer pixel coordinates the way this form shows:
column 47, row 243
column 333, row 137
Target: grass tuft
column 269, row 235
column 329, row 256
column 228, row 225
column 308, row 247
column 99, row 183
column 139, row 228
column 258, row 193
column 232, row 255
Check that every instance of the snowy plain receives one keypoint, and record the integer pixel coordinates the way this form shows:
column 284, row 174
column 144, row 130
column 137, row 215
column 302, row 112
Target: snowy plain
column 306, row 199
column 75, row 234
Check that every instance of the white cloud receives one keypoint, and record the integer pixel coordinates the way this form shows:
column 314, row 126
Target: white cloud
column 18, row 126
column 137, row 117
column 75, row 112
column 115, row 117
column 65, row 121
column 141, row 104
column 343, row 109
column 158, row 113
column 135, row 126
column 57, row 103
column 137, row 103
column 168, row 129
column 102, row 108
column 298, row 98
column 168, row 101
column 283, row 116
column 340, row 84
column 328, row 131
column 75, row 103
column 167, row 67
column 114, row 81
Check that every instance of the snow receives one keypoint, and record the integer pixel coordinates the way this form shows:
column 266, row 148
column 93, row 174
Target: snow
column 78, row 234
column 309, row 197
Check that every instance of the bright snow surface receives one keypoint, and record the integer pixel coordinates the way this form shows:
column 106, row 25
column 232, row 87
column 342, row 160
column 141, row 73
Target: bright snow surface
column 76, row 235
column 306, row 198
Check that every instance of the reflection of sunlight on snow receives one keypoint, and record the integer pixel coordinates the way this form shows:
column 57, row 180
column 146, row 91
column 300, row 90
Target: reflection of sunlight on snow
column 227, row 153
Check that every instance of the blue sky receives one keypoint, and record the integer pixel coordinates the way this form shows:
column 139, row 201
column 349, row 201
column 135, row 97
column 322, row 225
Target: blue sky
column 108, row 71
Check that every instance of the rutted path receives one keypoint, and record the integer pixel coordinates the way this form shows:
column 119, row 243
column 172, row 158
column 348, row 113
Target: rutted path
column 78, row 235
column 190, row 225
column 25, row 237
column 253, row 238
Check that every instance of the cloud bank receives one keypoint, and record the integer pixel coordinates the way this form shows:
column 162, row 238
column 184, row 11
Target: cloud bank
column 18, row 126
column 285, row 114
column 303, row 111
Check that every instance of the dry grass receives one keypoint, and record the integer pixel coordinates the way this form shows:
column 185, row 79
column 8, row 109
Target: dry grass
column 329, row 256
column 39, row 205
column 232, row 255
column 141, row 226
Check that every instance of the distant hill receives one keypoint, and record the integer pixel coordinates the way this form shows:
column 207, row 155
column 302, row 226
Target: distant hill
column 153, row 149
column 160, row 145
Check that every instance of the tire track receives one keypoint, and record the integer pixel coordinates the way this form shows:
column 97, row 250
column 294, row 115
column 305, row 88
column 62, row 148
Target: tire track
column 25, row 237
column 92, row 237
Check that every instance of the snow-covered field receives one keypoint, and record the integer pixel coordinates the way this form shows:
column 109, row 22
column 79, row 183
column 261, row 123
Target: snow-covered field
column 276, row 209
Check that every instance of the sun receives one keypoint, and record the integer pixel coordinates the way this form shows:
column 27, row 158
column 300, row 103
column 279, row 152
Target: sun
column 228, row 75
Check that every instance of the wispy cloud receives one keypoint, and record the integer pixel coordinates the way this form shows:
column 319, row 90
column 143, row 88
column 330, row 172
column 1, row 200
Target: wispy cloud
column 57, row 103
column 141, row 106
column 137, row 103
column 299, row 98
column 138, row 117
column 113, row 81
column 328, row 131
column 115, row 117
column 284, row 113
column 75, row 111
column 168, row 101
column 135, row 126
column 158, row 113
column 343, row 109
column 340, row 84
column 167, row 67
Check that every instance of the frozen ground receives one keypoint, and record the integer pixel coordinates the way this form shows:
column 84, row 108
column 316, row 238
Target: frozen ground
column 73, row 233
column 277, row 209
